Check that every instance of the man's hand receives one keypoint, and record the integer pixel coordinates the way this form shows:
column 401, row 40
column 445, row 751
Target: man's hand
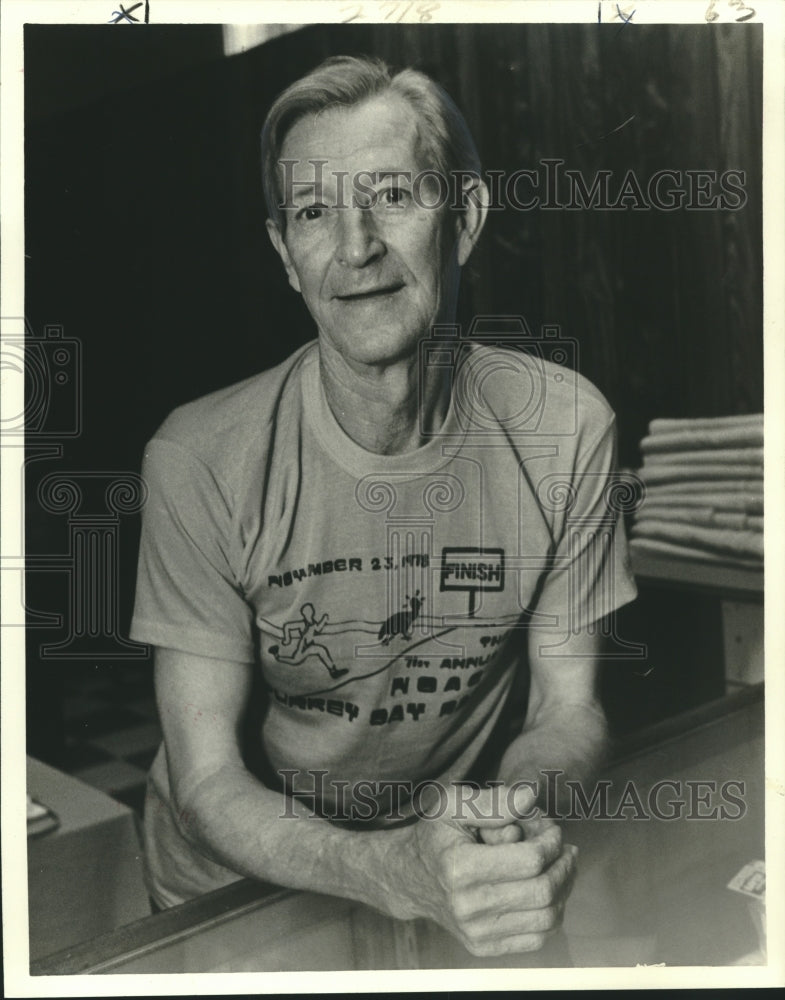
column 496, row 898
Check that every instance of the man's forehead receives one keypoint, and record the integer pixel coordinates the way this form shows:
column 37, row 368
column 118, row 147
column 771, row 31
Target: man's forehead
column 379, row 134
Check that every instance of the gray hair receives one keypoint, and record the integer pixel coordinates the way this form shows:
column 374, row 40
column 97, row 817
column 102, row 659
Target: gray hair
column 349, row 80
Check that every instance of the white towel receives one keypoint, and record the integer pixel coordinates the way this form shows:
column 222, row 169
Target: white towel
column 723, row 541
column 707, row 517
column 747, row 457
column 701, row 475
column 746, row 501
column 667, row 424
column 711, row 488
column 700, row 437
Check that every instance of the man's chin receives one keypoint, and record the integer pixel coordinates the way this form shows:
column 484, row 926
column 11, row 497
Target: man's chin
column 375, row 346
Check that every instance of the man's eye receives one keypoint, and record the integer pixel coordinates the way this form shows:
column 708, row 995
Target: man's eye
column 310, row 212
column 396, row 197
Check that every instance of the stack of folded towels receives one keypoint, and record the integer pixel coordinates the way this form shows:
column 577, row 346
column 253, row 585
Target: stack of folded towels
column 704, row 490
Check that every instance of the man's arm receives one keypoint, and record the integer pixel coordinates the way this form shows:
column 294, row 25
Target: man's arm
column 494, row 899
column 565, row 725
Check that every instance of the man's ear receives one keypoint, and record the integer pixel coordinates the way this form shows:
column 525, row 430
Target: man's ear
column 280, row 248
column 472, row 219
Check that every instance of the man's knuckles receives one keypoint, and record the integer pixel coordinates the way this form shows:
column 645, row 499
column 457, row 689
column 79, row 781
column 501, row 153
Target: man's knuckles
column 468, row 864
column 536, row 858
column 552, row 841
column 489, row 948
column 464, row 907
column 454, row 863
column 509, row 834
column 544, row 890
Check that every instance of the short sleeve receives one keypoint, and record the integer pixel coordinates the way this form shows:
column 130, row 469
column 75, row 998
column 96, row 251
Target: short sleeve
column 187, row 596
column 591, row 575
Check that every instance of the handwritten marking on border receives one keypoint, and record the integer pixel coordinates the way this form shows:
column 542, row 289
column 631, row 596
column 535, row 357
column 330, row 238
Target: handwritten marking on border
column 745, row 11
column 119, row 16
column 395, row 11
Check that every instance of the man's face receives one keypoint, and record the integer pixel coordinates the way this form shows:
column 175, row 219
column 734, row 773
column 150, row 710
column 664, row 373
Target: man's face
column 373, row 278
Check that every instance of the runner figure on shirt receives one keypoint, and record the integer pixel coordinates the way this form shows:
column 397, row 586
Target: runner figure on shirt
column 305, row 630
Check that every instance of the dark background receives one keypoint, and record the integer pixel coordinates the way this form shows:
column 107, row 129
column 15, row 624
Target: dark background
column 145, row 241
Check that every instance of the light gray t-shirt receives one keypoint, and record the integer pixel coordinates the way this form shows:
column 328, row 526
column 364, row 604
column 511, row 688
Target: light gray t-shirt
column 386, row 600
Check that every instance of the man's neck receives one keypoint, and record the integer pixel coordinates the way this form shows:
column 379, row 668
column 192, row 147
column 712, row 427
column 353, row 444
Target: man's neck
column 386, row 409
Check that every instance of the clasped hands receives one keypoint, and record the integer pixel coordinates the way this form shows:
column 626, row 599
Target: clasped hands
column 495, row 873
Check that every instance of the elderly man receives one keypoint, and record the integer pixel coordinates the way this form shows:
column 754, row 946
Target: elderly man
column 348, row 559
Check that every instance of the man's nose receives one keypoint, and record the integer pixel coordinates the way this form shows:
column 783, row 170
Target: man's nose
column 359, row 241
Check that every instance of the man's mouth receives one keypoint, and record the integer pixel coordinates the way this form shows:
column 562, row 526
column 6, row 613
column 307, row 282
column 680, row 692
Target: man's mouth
column 371, row 293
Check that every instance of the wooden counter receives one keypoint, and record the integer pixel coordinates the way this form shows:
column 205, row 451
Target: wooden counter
column 648, row 890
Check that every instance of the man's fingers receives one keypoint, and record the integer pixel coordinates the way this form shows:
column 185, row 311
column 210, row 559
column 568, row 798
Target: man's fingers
column 550, row 888
column 492, row 947
column 497, row 896
column 505, row 925
column 473, row 864
column 515, row 916
column 536, row 825
column 510, row 834
column 572, row 850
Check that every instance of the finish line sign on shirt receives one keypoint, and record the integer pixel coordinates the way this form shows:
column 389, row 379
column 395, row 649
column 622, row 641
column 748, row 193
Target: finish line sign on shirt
column 472, row 569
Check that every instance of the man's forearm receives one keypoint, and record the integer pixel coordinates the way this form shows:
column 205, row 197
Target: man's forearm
column 572, row 738
column 255, row 832
column 495, row 900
